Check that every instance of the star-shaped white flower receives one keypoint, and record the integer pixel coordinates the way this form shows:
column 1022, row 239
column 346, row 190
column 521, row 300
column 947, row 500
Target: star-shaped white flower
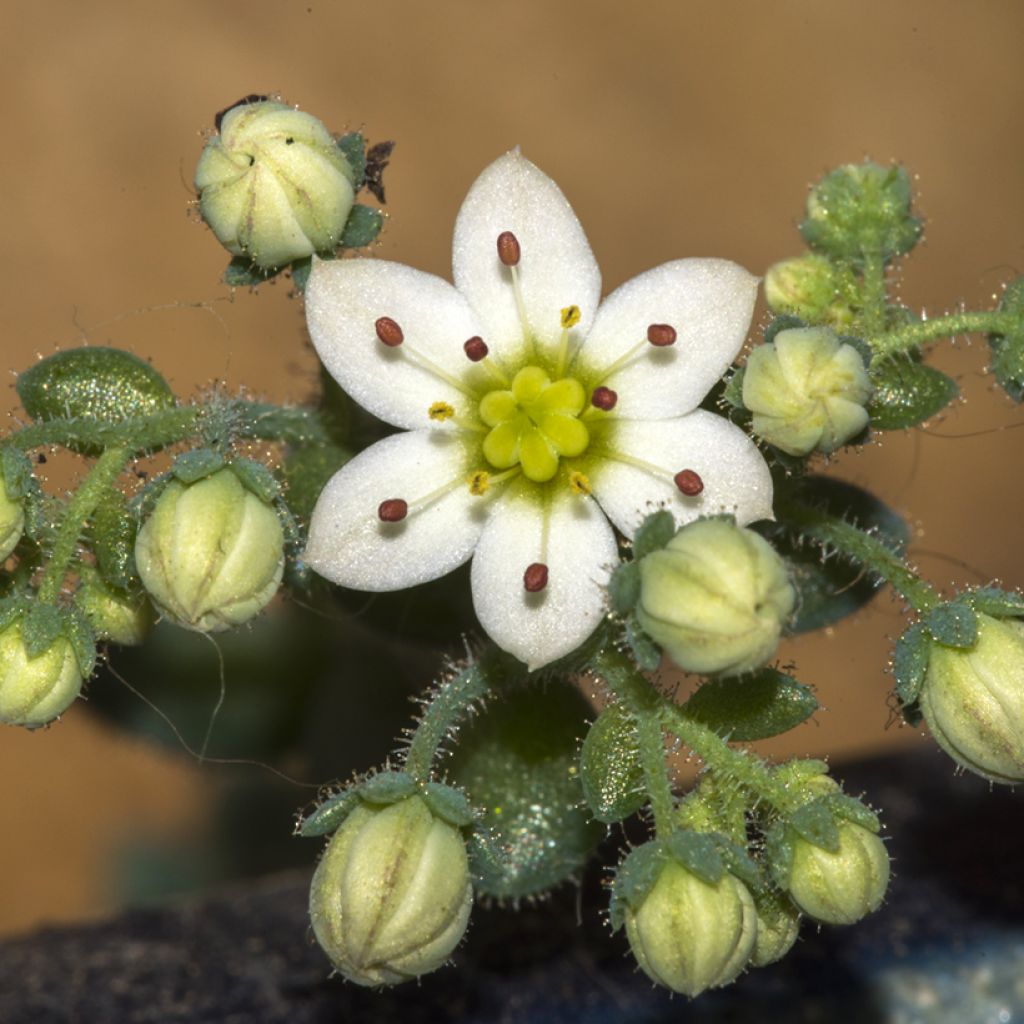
column 531, row 417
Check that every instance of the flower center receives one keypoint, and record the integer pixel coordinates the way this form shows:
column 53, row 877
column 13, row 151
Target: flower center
column 534, row 423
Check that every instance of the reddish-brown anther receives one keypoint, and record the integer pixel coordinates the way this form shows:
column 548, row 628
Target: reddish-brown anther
column 476, row 349
column 661, row 335
column 508, row 249
column 535, row 579
column 389, row 332
column 394, row 510
column 689, row 482
column 603, row 398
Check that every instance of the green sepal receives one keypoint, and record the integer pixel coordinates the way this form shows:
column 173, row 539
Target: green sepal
column 241, row 272
column 300, row 271
column 738, row 862
column 829, row 589
column 19, row 480
column 785, row 322
column 907, row 392
column 634, row 879
column 910, row 662
column 849, row 808
column 624, row 588
column 610, row 769
column 449, row 803
column 953, row 623
column 996, row 601
column 197, row 465
column 698, row 853
column 815, row 822
column 95, row 384
column 646, row 653
column 255, row 477
column 387, row 788
column 82, row 637
column 113, row 540
column 653, row 533
column 733, row 391
column 778, row 852
column 353, row 148
column 863, row 348
column 1008, row 348
column 799, row 770
column 752, row 707
column 13, row 608
column 41, row 626
column 362, row 227
column 330, row 814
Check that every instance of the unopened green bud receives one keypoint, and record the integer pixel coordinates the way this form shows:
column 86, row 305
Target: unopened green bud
column 861, row 209
column 715, row 598
column 778, row 925
column 807, row 391
column 34, row 691
column 840, row 886
column 690, row 935
column 391, row 897
column 809, row 287
column 12, row 521
column 211, row 555
column 122, row 618
column 273, row 185
column 973, row 700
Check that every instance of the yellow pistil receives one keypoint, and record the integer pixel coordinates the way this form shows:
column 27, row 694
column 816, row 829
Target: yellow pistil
column 579, row 483
column 440, row 411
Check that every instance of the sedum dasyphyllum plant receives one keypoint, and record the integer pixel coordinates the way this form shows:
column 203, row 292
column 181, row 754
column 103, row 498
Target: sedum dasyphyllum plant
column 628, row 497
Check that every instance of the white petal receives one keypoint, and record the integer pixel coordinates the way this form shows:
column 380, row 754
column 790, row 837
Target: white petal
column 539, row 628
column 557, row 268
column 709, row 302
column 345, row 298
column 735, row 476
column 348, row 544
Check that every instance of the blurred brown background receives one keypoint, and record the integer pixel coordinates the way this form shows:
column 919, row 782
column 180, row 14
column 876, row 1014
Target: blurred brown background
column 675, row 128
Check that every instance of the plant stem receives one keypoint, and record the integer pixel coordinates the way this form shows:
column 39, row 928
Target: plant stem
column 873, row 294
column 863, row 548
column 903, row 339
column 104, row 473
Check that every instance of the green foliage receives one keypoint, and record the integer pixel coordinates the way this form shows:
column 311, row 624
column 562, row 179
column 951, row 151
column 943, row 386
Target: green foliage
column 386, row 787
column 815, row 822
column 113, row 540
column 449, row 803
column 996, row 602
column 907, row 392
column 330, row 814
column 910, row 662
column 634, row 879
column 753, row 707
column 610, row 769
column 1007, row 346
column 197, row 464
column 953, row 624
column 362, row 227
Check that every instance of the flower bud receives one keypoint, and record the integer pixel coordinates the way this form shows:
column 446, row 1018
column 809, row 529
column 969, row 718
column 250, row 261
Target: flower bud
column 690, row 935
column 121, row 618
column 715, row 598
column 808, row 287
column 12, row 521
column 973, row 700
column 212, row 553
column 841, row 886
column 807, row 391
column 391, row 897
column 273, row 185
column 778, row 924
column 34, row 691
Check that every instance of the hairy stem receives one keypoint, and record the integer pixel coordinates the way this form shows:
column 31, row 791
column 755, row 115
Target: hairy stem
column 873, row 293
column 909, row 337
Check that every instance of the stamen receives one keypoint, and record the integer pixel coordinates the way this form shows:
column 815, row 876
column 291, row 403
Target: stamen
column 508, row 249
column 479, row 483
column 440, row 411
column 661, row 335
column 535, row 579
column 476, row 349
column 569, row 317
column 394, row 510
column 689, row 482
column 389, row 332
column 604, row 399
column 579, row 483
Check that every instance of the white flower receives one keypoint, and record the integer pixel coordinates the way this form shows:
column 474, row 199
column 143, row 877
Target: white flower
column 531, row 416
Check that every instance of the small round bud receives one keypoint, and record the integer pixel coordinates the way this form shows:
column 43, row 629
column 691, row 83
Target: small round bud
column 273, row 185
column 807, row 286
column 778, row 925
column 211, row 555
column 34, row 691
column 12, row 521
column 689, row 935
column 715, row 598
column 973, row 700
column 391, row 897
column 121, row 618
column 807, row 391
column 841, row 886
